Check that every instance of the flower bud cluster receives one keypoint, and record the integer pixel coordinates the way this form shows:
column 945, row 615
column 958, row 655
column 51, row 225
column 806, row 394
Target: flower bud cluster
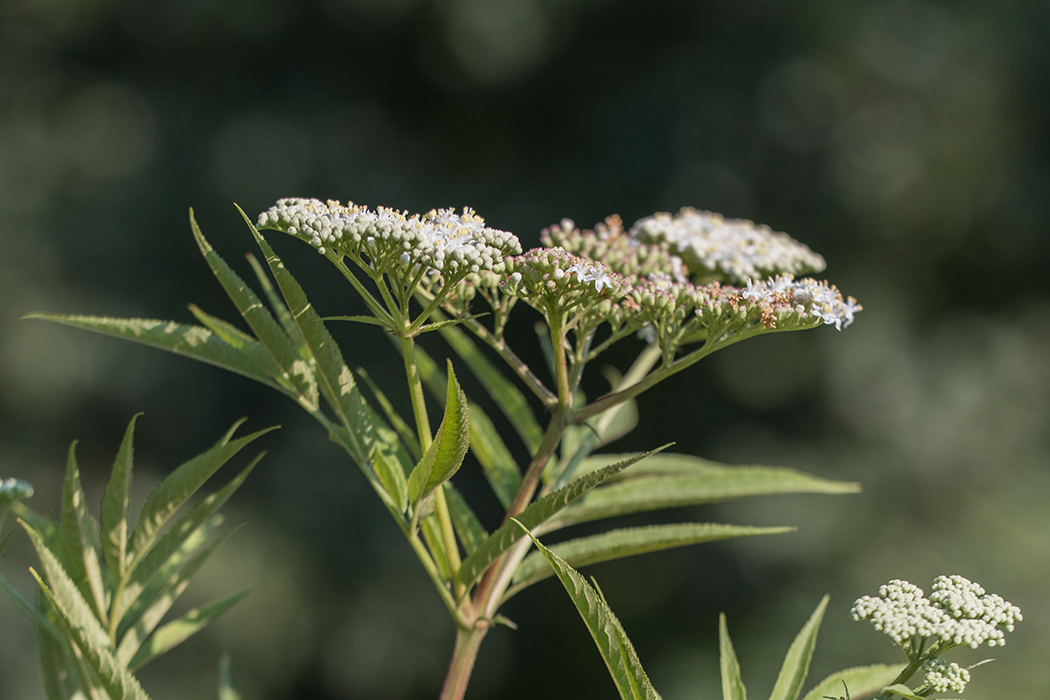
column 942, row 677
column 732, row 250
column 807, row 296
column 609, row 243
column 556, row 276
column 454, row 244
column 14, row 489
column 957, row 613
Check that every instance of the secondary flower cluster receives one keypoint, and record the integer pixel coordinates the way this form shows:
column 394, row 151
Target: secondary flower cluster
column 942, row 676
column 957, row 613
column 454, row 244
column 731, row 250
column 13, row 490
column 810, row 296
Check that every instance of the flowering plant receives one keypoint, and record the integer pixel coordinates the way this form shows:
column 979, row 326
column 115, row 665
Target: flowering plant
column 687, row 285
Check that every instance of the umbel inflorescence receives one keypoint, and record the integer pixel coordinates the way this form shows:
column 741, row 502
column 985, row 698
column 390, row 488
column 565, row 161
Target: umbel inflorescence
column 676, row 279
column 958, row 612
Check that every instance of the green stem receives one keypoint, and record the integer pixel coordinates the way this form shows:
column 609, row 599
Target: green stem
column 556, row 324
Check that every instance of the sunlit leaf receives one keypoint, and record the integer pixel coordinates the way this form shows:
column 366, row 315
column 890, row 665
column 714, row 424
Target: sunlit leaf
column 82, row 626
column 173, row 633
column 196, row 342
column 502, row 539
column 673, row 480
column 615, row 648
column 78, row 534
column 796, row 663
column 732, row 684
column 445, row 454
column 115, row 506
column 628, row 542
column 861, row 681
column 175, row 543
column 147, row 616
column 178, row 486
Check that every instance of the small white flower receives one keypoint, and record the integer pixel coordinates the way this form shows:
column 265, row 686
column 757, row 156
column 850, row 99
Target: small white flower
column 14, row 489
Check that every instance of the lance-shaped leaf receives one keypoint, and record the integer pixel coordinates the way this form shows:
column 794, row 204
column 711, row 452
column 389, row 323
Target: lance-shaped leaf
column 796, row 663
column 171, row 634
column 506, row 395
column 862, row 681
column 502, row 539
column 445, row 454
column 628, row 542
column 175, row 541
column 270, row 334
column 316, row 343
column 488, row 447
column 680, row 480
column 177, row 488
column 148, row 616
column 732, row 684
column 192, row 341
column 115, row 506
column 78, row 534
column 82, row 626
column 615, row 648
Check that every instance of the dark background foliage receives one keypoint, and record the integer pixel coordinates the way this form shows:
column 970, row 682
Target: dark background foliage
column 906, row 141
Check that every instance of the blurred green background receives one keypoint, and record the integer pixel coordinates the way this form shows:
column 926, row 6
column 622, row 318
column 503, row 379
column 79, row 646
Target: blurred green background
column 906, row 141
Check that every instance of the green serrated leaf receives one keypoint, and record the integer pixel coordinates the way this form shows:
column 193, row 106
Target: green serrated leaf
column 506, row 395
column 191, row 341
column 146, row 617
column 174, row 544
column 115, row 506
column 445, row 454
column 796, row 663
column 675, row 480
column 82, row 626
column 732, row 684
column 334, row 377
column 628, row 542
column 178, row 487
column 486, row 444
column 502, row 539
column 615, row 648
column 468, row 527
column 78, row 534
column 173, row 633
column 269, row 332
column 861, row 681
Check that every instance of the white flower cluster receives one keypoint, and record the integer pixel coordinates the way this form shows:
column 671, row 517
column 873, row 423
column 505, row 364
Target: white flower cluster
column 739, row 249
column 957, row 613
column 942, row 677
column 441, row 239
column 809, row 296
column 14, row 489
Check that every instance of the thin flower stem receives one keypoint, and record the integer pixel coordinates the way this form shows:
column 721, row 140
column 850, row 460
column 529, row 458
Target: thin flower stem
column 428, row 563
column 555, row 322
column 373, row 304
